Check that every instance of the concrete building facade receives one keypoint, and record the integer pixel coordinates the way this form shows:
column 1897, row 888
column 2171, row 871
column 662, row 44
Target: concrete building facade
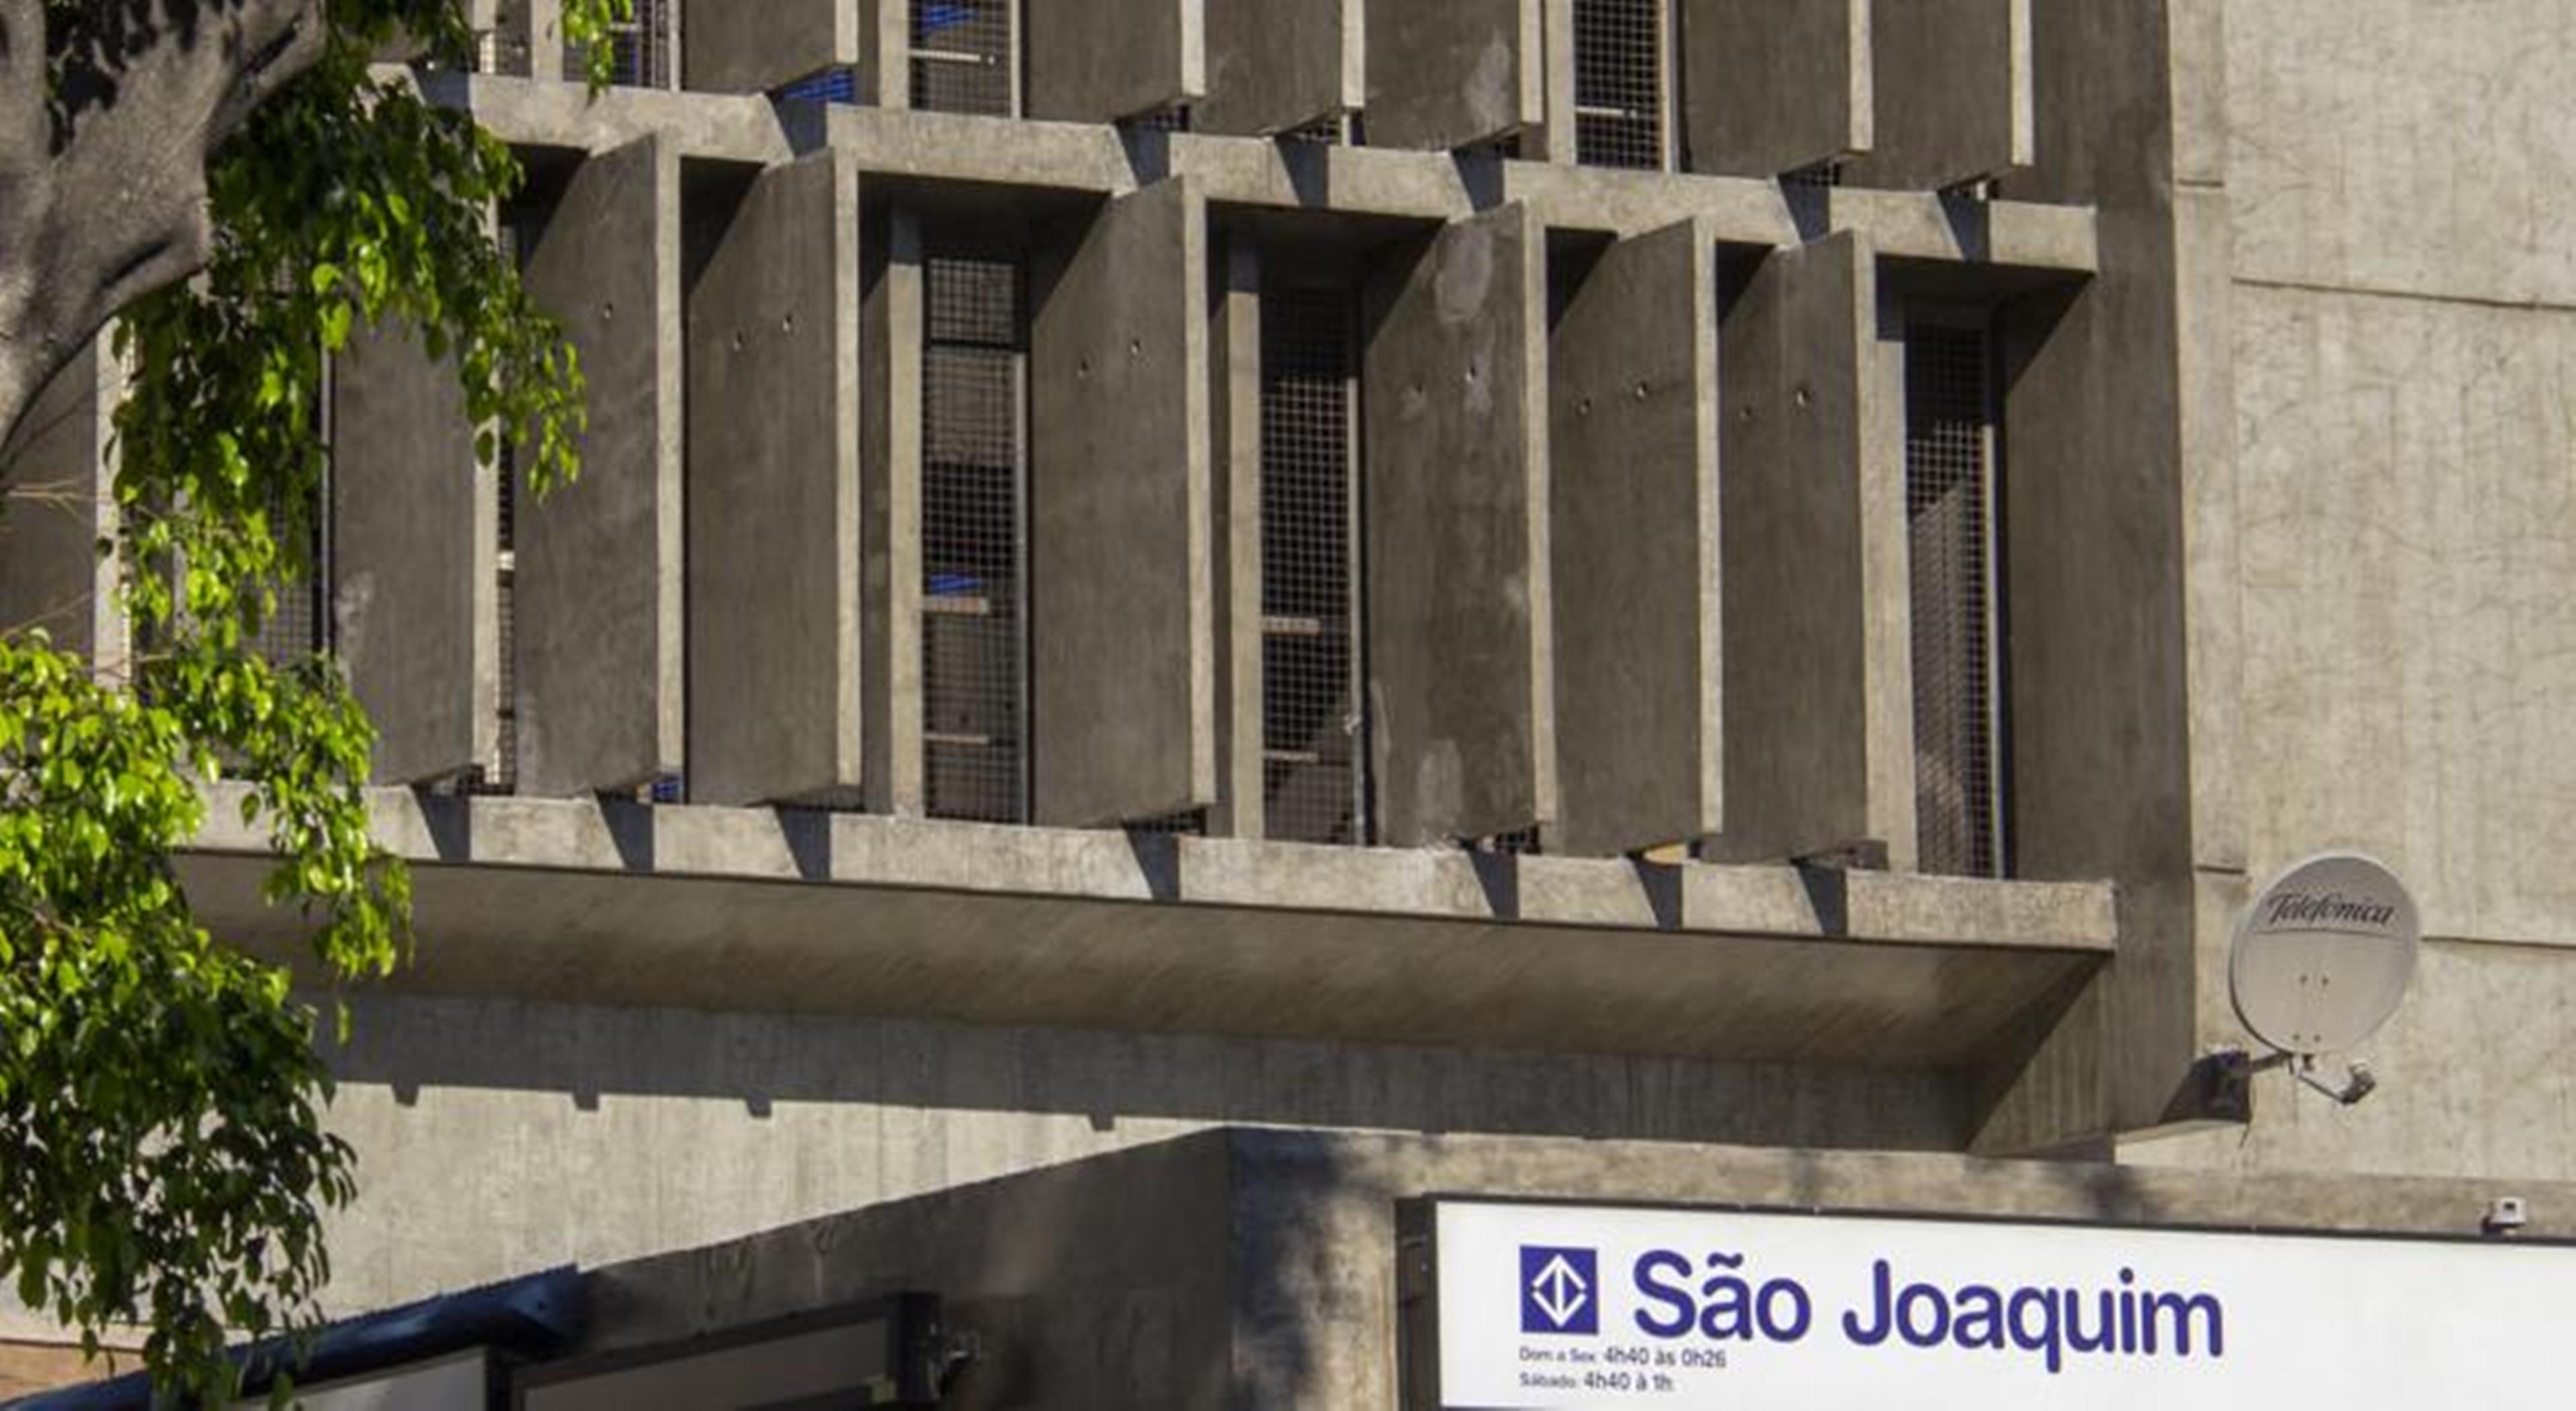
column 1715, row 601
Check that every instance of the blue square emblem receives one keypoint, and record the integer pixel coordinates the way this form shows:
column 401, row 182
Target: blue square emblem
column 1560, row 1290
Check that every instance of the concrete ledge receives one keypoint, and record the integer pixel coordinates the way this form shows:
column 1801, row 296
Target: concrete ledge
column 754, row 910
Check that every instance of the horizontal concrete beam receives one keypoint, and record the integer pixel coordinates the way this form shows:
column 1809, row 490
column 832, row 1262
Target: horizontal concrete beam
column 629, row 904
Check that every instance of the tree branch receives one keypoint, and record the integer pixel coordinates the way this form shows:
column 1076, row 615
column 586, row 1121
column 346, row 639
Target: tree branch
column 103, row 192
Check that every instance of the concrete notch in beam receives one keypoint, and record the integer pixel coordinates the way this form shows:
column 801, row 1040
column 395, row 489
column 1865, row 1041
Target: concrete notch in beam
column 1101, row 60
column 1953, row 94
column 1454, row 73
column 413, row 557
column 57, row 475
column 741, row 48
column 1276, row 65
column 773, row 492
column 1122, row 636
column 1818, row 725
column 1462, row 690
column 598, row 581
column 1775, row 85
column 1633, row 381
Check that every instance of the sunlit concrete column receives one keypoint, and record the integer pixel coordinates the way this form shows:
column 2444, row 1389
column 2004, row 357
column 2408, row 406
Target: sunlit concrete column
column 57, row 501
column 598, row 593
column 1772, row 86
column 1633, row 380
column 1122, row 640
column 1455, row 73
column 1274, row 65
column 1460, row 676
column 1099, row 60
column 739, row 48
column 1818, row 708
column 1235, row 408
column 773, row 491
column 1953, row 94
column 890, row 447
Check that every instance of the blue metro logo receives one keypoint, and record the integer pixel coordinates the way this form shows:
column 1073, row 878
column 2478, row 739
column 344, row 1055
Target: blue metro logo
column 1560, row 1290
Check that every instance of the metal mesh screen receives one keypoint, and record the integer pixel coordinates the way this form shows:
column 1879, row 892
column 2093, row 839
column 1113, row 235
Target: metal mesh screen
column 1619, row 83
column 962, row 59
column 642, row 49
column 973, row 491
column 1313, row 729
column 1949, row 439
column 298, row 626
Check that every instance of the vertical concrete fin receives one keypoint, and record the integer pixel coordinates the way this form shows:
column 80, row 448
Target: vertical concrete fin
column 1100, row 60
column 1235, row 355
column 1633, row 519
column 1120, row 618
column 58, row 482
column 754, row 48
column 890, row 516
column 1455, row 382
column 1274, row 65
column 410, row 571
column 773, row 492
column 884, row 46
column 1807, row 657
column 1775, row 85
column 598, row 581
column 1953, row 94
column 1455, row 73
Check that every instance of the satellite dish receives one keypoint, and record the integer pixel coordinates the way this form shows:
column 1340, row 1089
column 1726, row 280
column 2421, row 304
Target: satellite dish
column 2322, row 958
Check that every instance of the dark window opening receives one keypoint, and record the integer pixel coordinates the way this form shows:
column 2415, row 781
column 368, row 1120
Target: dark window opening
column 1949, row 520
column 1314, row 727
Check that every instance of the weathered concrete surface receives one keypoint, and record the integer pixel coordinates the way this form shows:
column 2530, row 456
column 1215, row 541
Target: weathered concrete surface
column 755, row 48
column 1234, row 377
column 1461, row 674
column 890, row 669
column 412, row 558
column 598, row 589
column 57, row 473
column 773, row 494
column 1274, row 65
column 1101, row 60
column 1776, row 85
column 1455, row 73
column 1953, row 93
column 1633, row 426
column 499, row 1137
column 1122, row 637
column 1818, row 707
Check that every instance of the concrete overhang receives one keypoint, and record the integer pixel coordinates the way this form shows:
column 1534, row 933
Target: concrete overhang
column 2038, row 240
column 762, row 910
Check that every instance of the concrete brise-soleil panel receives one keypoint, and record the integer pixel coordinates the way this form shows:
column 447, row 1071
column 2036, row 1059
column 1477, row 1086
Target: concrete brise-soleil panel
column 412, row 558
column 1818, row 711
column 1775, row 85
column 1633, row 381
column 1101, row 60
column 1455, row 73
column 1454, row 375
column 1123, row 674
column 1277, row 65
column 891, row 328
column 753, row 910
column 598, row 578
column 57, row 477
column 1234, row 354
column 740, row 48
column 773, row 491
column 1954, row 93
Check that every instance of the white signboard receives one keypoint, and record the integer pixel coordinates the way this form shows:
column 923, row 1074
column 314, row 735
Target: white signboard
column 1570, row 1308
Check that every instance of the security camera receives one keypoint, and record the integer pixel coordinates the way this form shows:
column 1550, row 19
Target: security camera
column 2505, row 1215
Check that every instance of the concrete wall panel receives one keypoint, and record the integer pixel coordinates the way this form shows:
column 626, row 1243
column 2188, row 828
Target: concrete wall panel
column 413, row 570
column 1454, row 73
column 890, row 670
column 1235, row 408
column 1122, row 640
column 1099, row 60
column 1953, row 93
column 754, row 48
column 57, row 476
column 598, row 589
column 1461, row 686
column 1818, row 720
column 1634, row 525
column 773, row 499
column 1280, row 64
column 1775, row 85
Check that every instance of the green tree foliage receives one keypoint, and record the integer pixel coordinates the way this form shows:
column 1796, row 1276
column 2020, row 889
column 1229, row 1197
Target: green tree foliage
column 163, row 1156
